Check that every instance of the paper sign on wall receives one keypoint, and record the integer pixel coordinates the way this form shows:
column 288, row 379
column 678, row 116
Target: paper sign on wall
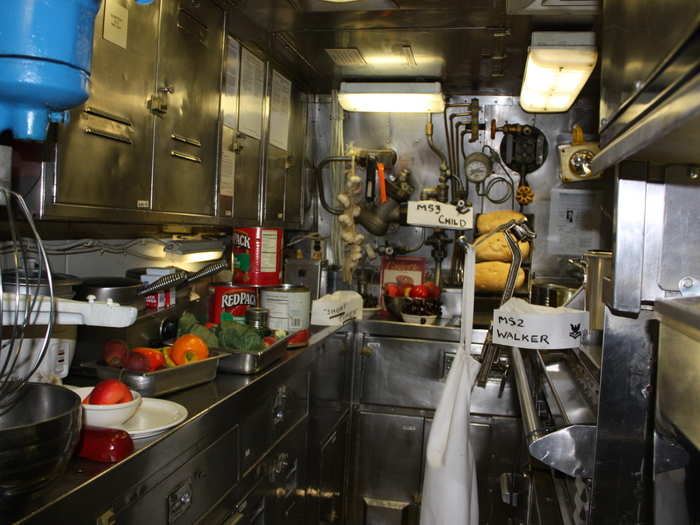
column 435, row 214
column 232, row 68
column 539, row 331
column 280, row 110
column 251, row 94
column 116, row 25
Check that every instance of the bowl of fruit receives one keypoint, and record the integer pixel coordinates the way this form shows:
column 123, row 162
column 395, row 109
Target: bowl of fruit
column 109, row 403
column 419, row 300
column 421, row 310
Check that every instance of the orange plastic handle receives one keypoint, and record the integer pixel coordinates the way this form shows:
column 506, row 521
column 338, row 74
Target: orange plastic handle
column 382, row 183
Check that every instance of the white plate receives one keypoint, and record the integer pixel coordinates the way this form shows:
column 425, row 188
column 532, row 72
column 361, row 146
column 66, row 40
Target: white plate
column 153, row 417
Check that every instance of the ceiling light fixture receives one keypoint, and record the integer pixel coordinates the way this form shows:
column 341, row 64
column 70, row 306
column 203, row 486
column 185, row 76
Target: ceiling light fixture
column 558, row 66
column 391, row 97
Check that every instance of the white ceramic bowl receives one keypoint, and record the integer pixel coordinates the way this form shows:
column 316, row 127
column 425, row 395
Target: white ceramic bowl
column 419, row 319
column 107, row 415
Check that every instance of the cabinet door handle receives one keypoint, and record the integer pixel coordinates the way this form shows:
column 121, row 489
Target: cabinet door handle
column 107, row 135
column 186, row 156
column 90, row 110
column 186, row 140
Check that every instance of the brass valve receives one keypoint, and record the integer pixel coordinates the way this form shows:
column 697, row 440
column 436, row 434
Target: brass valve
column 524, row 195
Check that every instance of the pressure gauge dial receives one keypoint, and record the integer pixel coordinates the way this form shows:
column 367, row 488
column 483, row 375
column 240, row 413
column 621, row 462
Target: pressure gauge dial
column 478, row 167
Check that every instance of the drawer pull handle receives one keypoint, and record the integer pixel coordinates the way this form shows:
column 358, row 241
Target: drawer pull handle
column 107, row 115
column 186, row 156
column 107, row 135
column 186, row 140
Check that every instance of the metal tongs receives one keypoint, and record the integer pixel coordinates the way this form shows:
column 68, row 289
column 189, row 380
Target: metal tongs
column 514, row 232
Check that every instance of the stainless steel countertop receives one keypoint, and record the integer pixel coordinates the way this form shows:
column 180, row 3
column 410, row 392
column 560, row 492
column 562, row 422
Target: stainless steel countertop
column 199, row 401
column 209, row 406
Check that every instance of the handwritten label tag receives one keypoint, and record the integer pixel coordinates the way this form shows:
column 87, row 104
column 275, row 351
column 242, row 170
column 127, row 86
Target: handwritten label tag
column 116, row 24
column 434, row 214
column 537, row 331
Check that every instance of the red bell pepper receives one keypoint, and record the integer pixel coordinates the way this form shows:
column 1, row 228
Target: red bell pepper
column 155, row 357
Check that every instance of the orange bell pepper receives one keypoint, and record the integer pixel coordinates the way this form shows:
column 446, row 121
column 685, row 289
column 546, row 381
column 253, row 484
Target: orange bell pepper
column 188, row 348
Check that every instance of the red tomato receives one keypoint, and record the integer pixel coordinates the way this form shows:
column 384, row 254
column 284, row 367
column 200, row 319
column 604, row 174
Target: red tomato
column 433, row 288
column 420, row 292
column 392, row 290
column 269, row 340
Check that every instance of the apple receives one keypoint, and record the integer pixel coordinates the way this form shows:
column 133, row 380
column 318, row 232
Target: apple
column 114, row 352
column 110, row 392
column 392, row 290
column 136, row 362
column 420, row 292
column 433, row 288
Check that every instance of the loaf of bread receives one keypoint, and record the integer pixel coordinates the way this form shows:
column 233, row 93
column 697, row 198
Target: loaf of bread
column 493, row 219
column 496, row 248
column 491, row 276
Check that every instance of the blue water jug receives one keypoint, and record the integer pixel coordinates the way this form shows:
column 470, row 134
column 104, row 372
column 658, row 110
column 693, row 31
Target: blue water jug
column 45, row 53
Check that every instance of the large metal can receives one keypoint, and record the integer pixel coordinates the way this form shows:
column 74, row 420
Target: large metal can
column 257, row 256
column 229, row 301
column 290, row 310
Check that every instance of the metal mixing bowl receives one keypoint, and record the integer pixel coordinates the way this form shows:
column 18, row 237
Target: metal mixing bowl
column 37, row 437
column 394, row 305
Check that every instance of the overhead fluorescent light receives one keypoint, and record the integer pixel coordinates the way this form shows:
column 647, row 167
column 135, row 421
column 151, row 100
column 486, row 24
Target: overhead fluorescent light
column 558, row 66
column 383, row 97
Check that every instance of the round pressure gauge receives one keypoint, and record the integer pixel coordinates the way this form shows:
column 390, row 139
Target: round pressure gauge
column 478, row 167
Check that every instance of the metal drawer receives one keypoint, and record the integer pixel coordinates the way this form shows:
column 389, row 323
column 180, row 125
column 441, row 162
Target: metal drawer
column 278, row 411
column 192, row 489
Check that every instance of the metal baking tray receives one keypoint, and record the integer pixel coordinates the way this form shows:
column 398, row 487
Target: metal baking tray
column 240, row 362
column 165, row 380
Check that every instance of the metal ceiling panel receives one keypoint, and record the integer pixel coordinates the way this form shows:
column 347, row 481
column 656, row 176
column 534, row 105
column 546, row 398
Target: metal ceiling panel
column 469, row 46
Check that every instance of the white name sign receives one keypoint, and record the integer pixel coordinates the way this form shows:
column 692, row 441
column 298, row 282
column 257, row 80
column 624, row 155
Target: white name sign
column 537, row 331
column 434, row 214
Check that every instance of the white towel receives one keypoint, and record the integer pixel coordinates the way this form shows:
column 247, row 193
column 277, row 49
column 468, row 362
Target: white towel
column 449, row 485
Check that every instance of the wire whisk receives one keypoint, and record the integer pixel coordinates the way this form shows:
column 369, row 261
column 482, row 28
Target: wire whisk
column 25, row 270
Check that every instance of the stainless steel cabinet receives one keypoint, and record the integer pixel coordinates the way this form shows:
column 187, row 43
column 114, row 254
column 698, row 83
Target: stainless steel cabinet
column 103, row 156
column 284, row 184
column 143, row 148
column 188, row 492
column 246, row 183
column 388, row 460
column 276, row 413
column 189, row 80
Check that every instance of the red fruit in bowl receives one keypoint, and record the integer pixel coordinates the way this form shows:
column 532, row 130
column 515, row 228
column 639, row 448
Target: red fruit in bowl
column 433, row 288
column 114, row 352
column 136, row 362
column 420, row 292
column 110, row 392
column 392, row 290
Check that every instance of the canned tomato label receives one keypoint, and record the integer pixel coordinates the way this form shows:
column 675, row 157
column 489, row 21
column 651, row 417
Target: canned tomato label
column 290, row 310
column 257, row 256
column 230, row 302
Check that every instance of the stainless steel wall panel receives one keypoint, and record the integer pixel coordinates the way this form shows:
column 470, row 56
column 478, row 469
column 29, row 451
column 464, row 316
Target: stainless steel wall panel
column 405, row 132
column 411, row 373
column 189, row 80
column 103, row 155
